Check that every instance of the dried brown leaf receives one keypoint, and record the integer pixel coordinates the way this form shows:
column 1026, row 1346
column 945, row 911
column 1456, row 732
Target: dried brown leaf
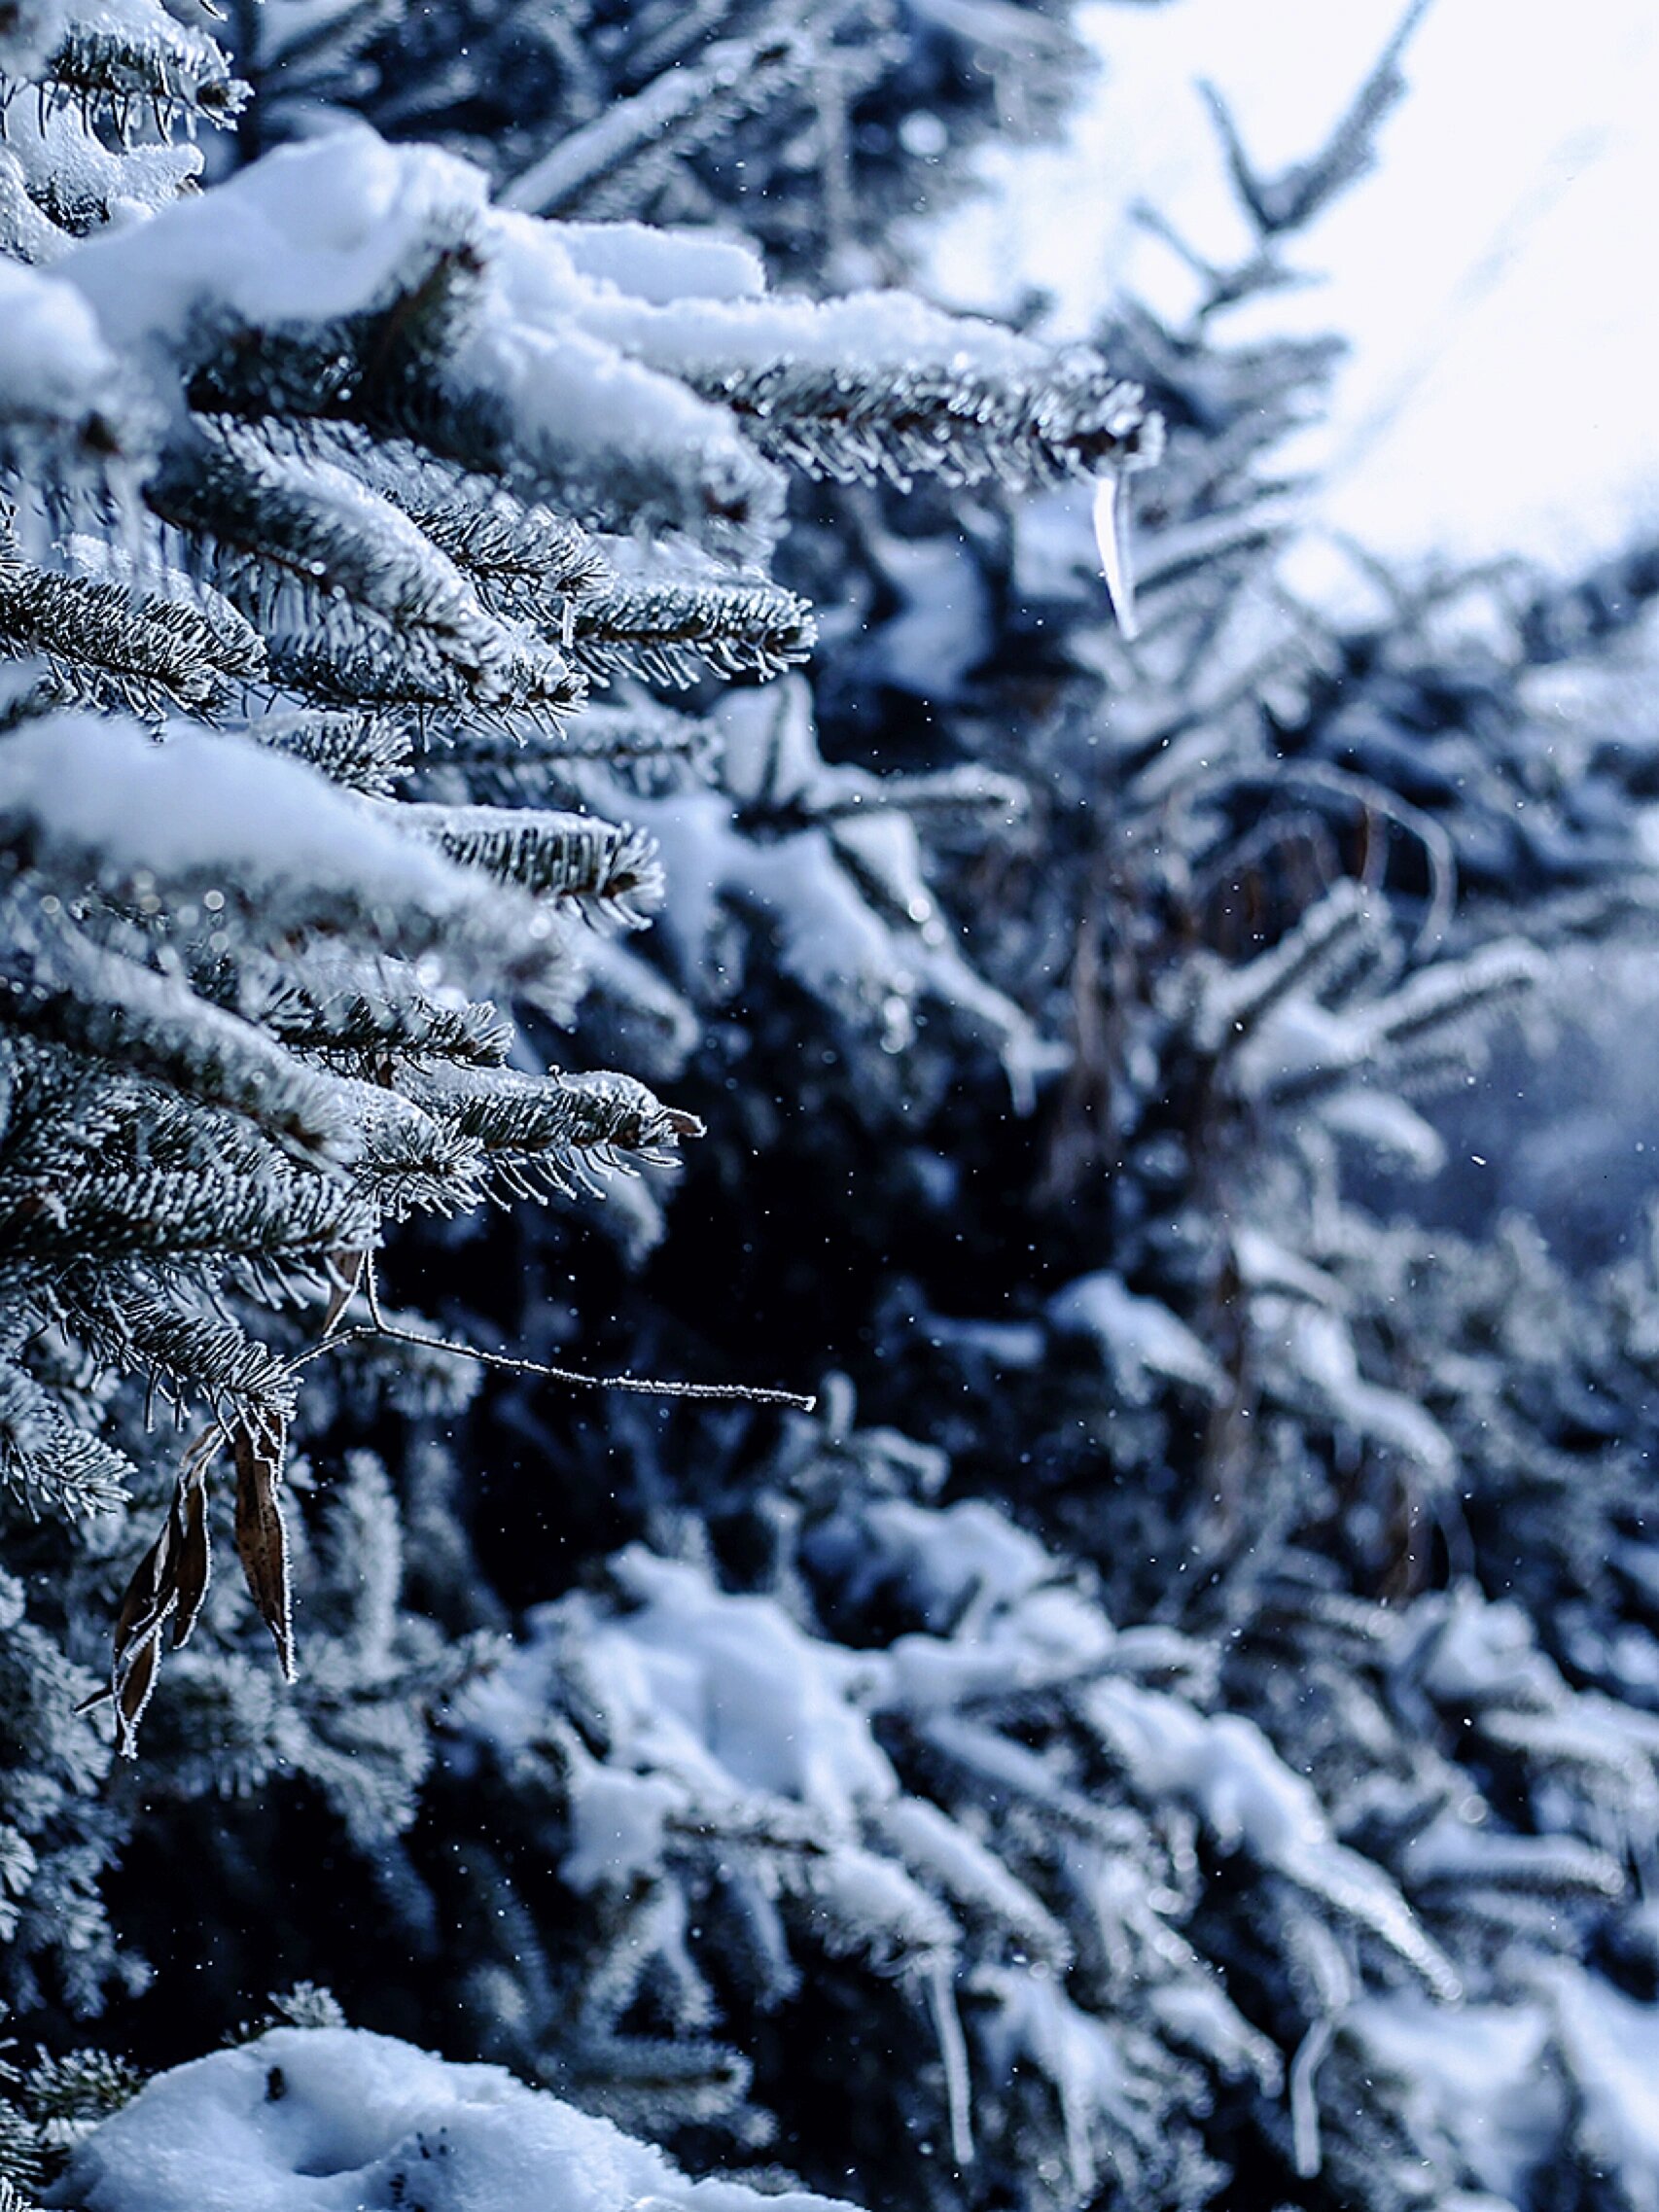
column 345, row 1273
column 132, row 1687
column 149, row 1595
column 171, row 1581
column 258, row 1443
column 195, row 1557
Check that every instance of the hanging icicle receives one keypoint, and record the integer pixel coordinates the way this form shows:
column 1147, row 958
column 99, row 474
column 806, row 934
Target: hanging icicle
column 1111, row 538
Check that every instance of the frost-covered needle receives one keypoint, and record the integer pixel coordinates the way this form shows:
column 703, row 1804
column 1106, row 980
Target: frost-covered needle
column 1111, row 538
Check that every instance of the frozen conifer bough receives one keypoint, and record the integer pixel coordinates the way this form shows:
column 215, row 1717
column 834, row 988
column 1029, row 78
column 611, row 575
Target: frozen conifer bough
column 415, row 476
column 590, row 799
column 336, row 2119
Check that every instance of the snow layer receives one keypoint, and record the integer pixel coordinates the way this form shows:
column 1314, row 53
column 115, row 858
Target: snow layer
column 770, row 1703
column 312, row 233
column 1613, row 2046
column 336, row 2119
column 207, row 812
column 205, row 802
column 710, row 1702
column 597, row 343
column 661, row 264
column 706, row 1701
column 335, row 226
column 1498, row 2081
column 1479, row 2076
column 1142, row 1340
column 54, row 365
column 1247, row 1797
column 873, row 332
column 944, row 1557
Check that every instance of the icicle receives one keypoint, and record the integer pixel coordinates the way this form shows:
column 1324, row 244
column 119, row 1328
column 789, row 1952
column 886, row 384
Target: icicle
column 953, row 2053
column 1111, row 537
column 1304, row 2103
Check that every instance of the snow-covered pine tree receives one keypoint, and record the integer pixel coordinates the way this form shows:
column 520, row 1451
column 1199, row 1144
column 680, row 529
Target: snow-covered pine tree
column 1153, row 1766
column 331, row 492
column 1338, row 1777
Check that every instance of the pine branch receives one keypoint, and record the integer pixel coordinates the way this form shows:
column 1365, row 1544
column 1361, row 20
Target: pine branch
column 48, row 1460
column 967, row 797
column 671, row 632
column 175, row 1214
column 1288, row 202
column 641, row 732
column 411, row 1162
column 613, row 166
column 114, row 66
column 898, row 420
column 351, row 1013
column 119, row 1013
column 1450, row 1006
column 530, row 687
column 523, row 559
column 558, row 1130
column 57, row 1107
column 1343, row 937
column 277, row 528
column 137, row 1323
column 382, row 364
column 566, row 857
column 216, row 823
column 356, row 750
column 103, row 642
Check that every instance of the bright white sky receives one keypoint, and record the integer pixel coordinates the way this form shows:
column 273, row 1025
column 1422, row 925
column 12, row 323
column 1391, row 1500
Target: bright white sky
column 1498, row 275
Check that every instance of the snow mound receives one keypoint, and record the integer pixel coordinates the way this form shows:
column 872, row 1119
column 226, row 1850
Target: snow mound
column 325, row 228
column 53, row 363
column 337, row 2120
column 708, row 1702
column 1141, row 1340
column 204, row 802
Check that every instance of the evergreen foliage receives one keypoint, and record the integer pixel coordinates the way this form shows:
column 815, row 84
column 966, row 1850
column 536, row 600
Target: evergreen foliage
column 494, row 692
